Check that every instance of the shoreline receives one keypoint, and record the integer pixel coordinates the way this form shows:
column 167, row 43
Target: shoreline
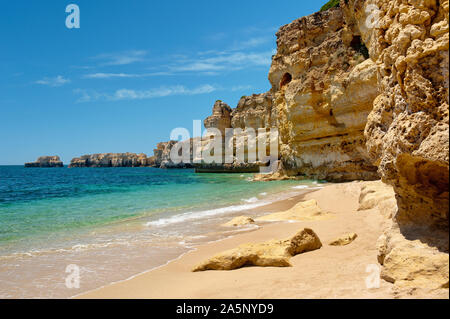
column 122, row 249
column 329, row 272
column 290, row 197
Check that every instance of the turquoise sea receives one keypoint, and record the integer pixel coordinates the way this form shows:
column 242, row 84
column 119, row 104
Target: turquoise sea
column 112, row 222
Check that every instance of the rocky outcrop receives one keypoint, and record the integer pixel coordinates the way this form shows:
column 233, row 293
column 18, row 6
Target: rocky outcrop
column 239, row 221
column 162, row 154
column 323, row 87
column 111, row 160
column 377, row 194
column 160, row 159
column 252, row 112
column 46, row 161
column 303, row 211
column 274, row 253
column 344, row 240
column 407, row 262
column 220, row 118
column 407, row 131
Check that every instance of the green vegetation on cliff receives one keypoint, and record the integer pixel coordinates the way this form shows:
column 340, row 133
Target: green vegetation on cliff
column 330, row 4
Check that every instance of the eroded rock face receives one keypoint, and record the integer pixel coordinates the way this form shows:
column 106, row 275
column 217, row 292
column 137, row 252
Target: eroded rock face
column 221, row 117
column 46, row 161
column 407, row 262
column 408, row 130
column 377, row 194
column 323, row 87
column 274, row 253
column 252, row 112
column 110, row 160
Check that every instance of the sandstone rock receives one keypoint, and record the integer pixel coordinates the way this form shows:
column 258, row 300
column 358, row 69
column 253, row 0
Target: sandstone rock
column 303, row 211
column 239, row 221
column 344, row 240
column 323, row 87
column 412, row 263
column 46, row 161
column 221, row 117
column 110, row 160
column 163, row 150
column 374, row 194
column 252, row 112
column 407, row 132
column 274, row 253
column 277, row 176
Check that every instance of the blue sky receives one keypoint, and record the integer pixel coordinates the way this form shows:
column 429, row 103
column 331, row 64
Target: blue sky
column 134, row 71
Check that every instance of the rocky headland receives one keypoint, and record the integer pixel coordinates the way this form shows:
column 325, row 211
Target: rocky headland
column 112, row 160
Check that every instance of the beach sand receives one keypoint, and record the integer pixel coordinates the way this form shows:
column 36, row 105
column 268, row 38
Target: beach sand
column 329, row 272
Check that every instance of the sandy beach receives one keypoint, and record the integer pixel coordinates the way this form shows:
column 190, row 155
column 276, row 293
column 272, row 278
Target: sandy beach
column 329, row 272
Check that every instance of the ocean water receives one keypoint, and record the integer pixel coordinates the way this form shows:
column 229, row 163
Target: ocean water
column 112, row 223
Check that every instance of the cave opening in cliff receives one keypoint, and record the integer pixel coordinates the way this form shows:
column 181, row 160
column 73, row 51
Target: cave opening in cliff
column 358, row 45
column 286, row 79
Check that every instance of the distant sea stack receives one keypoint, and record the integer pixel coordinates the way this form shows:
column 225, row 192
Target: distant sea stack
column 46, row 161
column 112, row 160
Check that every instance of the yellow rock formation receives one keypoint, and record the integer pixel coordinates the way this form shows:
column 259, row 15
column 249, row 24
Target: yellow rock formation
column 274, row 253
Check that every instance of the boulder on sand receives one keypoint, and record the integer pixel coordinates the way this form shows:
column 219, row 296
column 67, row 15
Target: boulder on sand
column 344, row 239
column 273, row 253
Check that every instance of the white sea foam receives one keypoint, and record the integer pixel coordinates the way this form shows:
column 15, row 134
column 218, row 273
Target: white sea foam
column 263, row 194
column 251, row 200
column 300, row 187
column 206, row 213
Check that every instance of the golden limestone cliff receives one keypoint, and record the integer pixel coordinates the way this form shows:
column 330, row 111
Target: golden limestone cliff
column 407, row 131
column 323, row 84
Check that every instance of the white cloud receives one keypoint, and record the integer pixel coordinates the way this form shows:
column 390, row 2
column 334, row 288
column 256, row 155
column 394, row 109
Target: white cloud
column 53, row 82
column 198, row 67
column 121, row 58
column 226, row 61
column 122, row 75
column 130, row 94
